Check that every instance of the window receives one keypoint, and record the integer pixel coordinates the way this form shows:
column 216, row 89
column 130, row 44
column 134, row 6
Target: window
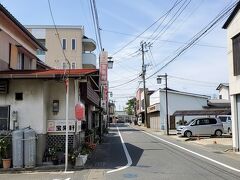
column 64, row 65
column 18, row 96
column 4, row 117
column 64, row 44
column 73, row 65
column 212, row 121
column 236, row 55
column 223, row 119
column 20, row 61
column 73, row 44
column 39, row 51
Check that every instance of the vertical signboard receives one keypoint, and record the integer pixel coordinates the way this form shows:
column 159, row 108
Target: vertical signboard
column 103, row 77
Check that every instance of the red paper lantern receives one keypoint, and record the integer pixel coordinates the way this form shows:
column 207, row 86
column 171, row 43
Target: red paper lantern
column 80, row 111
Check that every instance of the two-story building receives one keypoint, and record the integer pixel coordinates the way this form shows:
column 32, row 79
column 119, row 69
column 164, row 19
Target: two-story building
column 233, row 43
column 34, row 95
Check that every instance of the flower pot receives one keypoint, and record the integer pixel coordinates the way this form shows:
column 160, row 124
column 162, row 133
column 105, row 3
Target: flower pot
column 6, row 163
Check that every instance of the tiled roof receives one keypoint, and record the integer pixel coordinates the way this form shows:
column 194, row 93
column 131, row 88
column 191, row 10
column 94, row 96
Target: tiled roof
column 24, row 30
column 50, row 73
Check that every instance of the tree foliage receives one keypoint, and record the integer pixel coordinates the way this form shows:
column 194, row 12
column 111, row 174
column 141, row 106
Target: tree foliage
column 130, row 106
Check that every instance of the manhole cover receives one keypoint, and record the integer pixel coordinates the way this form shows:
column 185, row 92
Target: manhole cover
column 130, row 175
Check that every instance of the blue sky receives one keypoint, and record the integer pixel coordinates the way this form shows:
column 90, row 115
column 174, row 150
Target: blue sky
column 122, row 20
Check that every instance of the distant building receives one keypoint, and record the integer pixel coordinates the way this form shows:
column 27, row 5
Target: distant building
column 77, row 47
column 223, row 89
column 177, row 100
column 233, row 41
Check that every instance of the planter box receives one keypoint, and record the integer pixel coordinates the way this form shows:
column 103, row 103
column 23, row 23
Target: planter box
column 81, row 160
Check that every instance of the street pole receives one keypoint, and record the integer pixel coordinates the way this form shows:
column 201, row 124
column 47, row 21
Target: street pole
column 66, row 141
column 144, row 85
column 167, row 104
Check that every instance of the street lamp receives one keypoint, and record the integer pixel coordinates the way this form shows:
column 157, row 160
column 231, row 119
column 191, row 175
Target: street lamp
column 110, row 63
column 159, row 80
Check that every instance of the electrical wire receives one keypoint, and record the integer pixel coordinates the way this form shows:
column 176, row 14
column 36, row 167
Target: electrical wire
column 130, row 81
column 200, row 34
column 123, row 47
column 60, row 42
column 168, row 41
column 96, row 23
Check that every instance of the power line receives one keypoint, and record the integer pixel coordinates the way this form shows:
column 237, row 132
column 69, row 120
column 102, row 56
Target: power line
column 172, row 20
column 132, row 80
column 96, row 23
column 59, row 39
column 175, row 4
column 197, row 81
column 168, row 41
column 200, row 34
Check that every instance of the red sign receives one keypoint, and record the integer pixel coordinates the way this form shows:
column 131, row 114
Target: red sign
column 80, row 111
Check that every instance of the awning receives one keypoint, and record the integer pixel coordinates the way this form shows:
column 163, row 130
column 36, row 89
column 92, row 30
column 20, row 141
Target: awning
column 206, row 112
column 49, row 73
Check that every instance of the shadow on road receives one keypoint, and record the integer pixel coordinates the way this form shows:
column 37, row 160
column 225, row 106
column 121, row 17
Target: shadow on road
column 110, row 153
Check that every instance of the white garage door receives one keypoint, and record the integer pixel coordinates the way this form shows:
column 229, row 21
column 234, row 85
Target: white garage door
column 155, row 122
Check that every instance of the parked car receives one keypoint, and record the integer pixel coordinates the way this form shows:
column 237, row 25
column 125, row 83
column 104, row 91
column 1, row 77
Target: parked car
column 227, row 123
column 203, row 126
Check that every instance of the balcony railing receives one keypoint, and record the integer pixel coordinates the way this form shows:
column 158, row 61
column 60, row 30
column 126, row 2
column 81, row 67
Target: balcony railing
column 88, row 44
column 89, row 60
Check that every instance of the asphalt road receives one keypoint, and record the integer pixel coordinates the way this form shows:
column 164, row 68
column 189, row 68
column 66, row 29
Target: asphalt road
column 145, row 157
column 152, row 159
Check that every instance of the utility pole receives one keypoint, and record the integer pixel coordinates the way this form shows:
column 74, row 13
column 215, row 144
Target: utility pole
column 166, row 91
column 167, row 104
column 143, row 44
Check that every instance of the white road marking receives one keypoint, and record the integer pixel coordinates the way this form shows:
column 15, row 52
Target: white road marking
column 127, row 156
column 197, row 154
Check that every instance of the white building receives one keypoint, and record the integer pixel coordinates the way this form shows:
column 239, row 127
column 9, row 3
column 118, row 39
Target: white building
column 37, row 98
column 233, row 40
column 176, row 101
column 223, row 89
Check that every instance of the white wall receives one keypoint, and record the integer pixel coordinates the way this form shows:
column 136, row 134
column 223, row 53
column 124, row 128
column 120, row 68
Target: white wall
column 30, row 109
column 178, row 102
column 234, row 81
column 154, row 98
column 233, row 29
column 224, row 92
column 57, row 91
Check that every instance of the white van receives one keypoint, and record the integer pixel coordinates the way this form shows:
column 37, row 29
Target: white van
column 202, row 126
column 227, row 123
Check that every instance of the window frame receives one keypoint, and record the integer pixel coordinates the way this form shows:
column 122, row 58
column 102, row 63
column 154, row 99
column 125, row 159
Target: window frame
column 72, row 65
column 236, row 54
column 75, row 43
column 64, row 65
column 7, row 118
column 63, row 43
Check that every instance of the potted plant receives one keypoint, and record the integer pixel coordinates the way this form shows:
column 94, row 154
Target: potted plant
column 53, row 154
column 4, row 152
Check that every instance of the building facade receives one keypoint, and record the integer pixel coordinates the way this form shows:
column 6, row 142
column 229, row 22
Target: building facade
column 76, row 46
column 176, row 101
column 233, row 51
